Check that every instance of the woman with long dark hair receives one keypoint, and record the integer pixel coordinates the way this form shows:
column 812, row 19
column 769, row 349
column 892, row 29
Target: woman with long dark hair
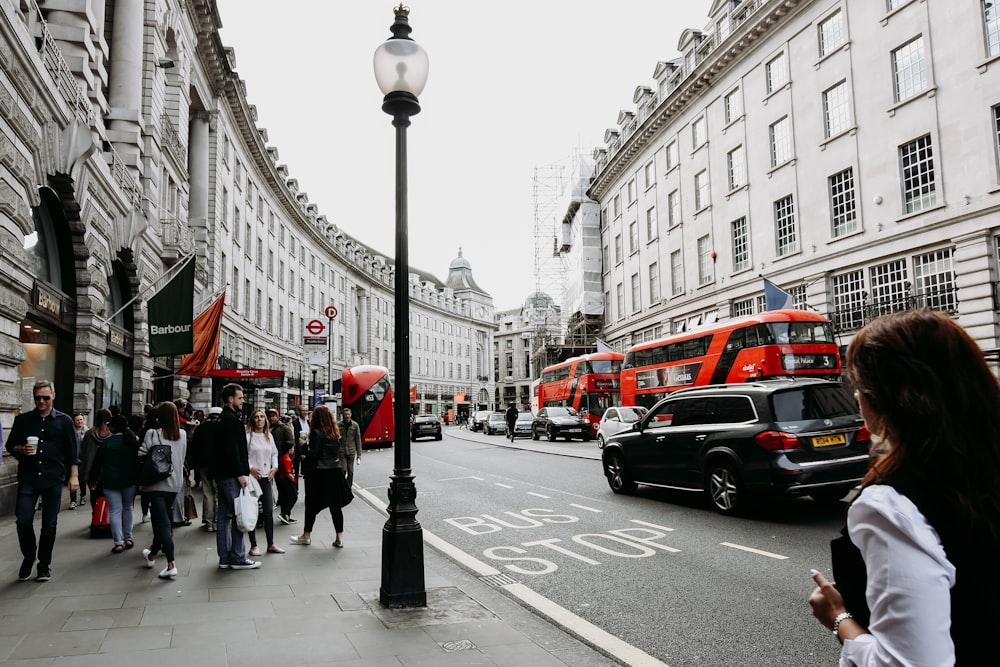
column 915, row 582
column 161, row 494
column 262, row 455
column 114, row 470
column 326, row 486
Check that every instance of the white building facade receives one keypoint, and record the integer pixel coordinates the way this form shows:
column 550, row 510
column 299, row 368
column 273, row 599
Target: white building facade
column 847, row 151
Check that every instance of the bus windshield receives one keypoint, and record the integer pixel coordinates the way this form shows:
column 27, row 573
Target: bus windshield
column 800, row 332
column 603, row 366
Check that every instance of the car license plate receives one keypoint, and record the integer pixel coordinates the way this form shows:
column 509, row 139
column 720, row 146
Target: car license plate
column 829, row 440
column 572, row 430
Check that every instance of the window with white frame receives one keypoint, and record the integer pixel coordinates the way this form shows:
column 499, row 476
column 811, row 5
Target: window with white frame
column 674, row 208
column 996, row 131
column 991, row 20
column 785, row 231
column 633, row 237
column 705, row 273
column 777, row 72
column 889, row 287
column 843, row 216
column 618, row 248
column 798, row 296
column 671, row 155
column 916, row 160
column 909, row 69
column 848, row 299
column 701, row 196
column 636, row 298
column 836, row 109
column 831, row 33
column 676, row 274
column 736, row 167
column 630, row 191
column 650, row 223
column 604, row 218
column 699, row 133
column 741, row 244
column 733, row 105
column 620, row 299
column 654, row 282
column 605, row 255
column 893, row 4
column 616, row 206
column 649, row 174
column 934, row 280
column 780, row 134
column 742, row 308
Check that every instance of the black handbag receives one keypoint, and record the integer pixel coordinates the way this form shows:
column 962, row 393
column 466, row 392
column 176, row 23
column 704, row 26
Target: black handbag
column 157, row 464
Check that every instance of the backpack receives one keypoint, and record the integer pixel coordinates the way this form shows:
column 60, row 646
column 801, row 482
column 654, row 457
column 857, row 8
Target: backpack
column 157, row 464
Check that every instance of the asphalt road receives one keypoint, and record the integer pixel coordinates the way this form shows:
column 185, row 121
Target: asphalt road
column 660, row 570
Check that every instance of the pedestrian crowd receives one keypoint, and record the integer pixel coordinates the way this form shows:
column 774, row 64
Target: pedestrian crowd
column 161, row 457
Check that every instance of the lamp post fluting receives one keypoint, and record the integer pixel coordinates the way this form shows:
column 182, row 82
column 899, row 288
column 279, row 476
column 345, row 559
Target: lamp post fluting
column 401, row 72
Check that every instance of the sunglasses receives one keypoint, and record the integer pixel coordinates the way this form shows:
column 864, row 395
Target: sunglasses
column 43, row 398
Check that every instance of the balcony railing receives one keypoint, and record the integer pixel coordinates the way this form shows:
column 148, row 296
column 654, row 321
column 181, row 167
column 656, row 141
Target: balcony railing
column 178, row 240
column 852, row 318
column 171, row 139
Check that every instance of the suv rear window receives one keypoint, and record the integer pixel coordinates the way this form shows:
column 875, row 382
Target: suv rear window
column 806, row 403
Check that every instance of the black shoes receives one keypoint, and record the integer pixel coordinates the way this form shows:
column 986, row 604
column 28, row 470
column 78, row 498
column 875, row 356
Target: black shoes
column 25, row 572
column 43, row 573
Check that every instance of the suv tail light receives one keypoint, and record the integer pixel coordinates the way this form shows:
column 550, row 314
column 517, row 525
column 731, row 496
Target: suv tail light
column 777, row 441
column 864, row 435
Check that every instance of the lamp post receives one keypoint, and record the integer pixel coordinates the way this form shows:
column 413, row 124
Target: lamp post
column 401, row 72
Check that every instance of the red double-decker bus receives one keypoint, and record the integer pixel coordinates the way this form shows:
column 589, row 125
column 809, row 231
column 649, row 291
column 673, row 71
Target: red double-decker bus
column 589, row 384
column 366, row 390
column 770, row 344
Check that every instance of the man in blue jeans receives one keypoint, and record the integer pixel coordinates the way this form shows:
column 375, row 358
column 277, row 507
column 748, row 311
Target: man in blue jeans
column 230, row 468
column 45, row 466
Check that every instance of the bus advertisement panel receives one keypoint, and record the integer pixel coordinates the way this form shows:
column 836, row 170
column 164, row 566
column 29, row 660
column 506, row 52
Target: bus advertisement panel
column 589, row 384
column 367, row 392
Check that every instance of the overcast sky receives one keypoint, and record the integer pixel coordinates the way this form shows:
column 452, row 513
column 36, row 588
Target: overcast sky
column 514, row 86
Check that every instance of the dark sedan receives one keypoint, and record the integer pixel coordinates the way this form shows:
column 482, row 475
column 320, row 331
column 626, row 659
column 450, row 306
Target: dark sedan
column 522, row 427
column 556, row 422
column 425, row 426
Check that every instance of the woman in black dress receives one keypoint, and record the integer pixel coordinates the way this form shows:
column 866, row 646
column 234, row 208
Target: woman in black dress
column 326, row 486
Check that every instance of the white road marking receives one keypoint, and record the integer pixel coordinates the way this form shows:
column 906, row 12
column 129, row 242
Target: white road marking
column 532, row 493
column 584, row 507
column 651, row 525
column 505, row 486
column 754, row 551
column 455, row 479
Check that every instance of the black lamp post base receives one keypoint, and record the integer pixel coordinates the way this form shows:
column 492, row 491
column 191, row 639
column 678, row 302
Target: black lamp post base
column 402, row 567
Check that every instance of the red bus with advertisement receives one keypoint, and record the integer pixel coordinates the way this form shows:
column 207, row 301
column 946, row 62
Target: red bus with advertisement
column 366, row 390
column 589, row 384
column 774, row 343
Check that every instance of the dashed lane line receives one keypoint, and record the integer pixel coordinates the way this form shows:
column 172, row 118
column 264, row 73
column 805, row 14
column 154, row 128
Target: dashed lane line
column 584, row 507
column 754, row 551
column 651, row 525
column 503, row 486
column 538, row 495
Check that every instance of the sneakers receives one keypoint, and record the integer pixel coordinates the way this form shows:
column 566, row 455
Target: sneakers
column 273, row 549
column 338, row 544
column 291, row 519
column 245, row 565
column 25, row 572
column 305, row 541
column 210, row 528
column 44, row 574
column 284, row 519
column 223, row 566
column 145, row 517
column 72, row 505
column 254, row 551
column 150, row 559
column 168, row 573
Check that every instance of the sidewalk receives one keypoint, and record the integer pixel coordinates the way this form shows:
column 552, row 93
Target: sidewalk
column 311, row 605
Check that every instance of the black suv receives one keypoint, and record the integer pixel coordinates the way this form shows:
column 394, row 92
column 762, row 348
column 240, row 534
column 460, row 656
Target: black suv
column 553, row 422
column 781, row 437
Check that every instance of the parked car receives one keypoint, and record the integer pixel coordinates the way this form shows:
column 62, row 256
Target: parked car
column 478, row 420
column 495, row 423
column 786, row 437
column 425, row 426
column 618, row 419
column 522, row 427
column 554, row 422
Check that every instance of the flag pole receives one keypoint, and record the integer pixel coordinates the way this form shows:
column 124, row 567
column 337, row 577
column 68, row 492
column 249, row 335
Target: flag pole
column 176, row 268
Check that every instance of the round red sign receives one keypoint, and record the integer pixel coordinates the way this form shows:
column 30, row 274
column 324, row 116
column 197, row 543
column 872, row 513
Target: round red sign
column 331, row 312
column 316, row 327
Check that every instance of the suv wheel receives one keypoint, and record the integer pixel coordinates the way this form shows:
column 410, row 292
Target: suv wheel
column 534, row 433
column 724, row 488
column 600, row 440
column 618, row 479
column 551, row 433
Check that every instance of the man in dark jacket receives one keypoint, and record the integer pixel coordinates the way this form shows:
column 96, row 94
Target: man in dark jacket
column 200, row 459
column 45, row 465
column 230, row 468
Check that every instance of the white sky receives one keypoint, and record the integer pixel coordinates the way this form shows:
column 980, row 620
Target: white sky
column 513, row 86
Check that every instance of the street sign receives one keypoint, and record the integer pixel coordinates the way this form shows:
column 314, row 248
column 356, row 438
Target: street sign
column 331, row 312
column 315, row 328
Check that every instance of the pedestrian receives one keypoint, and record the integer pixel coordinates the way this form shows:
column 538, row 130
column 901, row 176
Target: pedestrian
column 284, row 438
column 80, row 427
column 511, row 418
column 43, row 441
column 178, row 513
column 300, row 428
column 115, row 470
column 161, row 494
column 350, row 450
column 913, row 571
column 88, row 448
column 229, row 467
column 199, row 458
column 262, row 456
column 149, row 421
column 288, row 489
column 326, row 485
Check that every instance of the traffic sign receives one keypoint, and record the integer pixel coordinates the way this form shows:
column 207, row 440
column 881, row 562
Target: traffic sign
column 331, row 312
column 315, row 328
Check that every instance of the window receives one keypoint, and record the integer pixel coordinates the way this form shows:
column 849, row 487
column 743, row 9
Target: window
column 996, row 130
column 704, row 260
column 618, row 249
column 893, row 4
column 701, row 199
column 605, row 253
column 633, row 237
column 741, row 244
column 991, row 18
column 620, row 299
column 291, row 282
column 270, row 264
column 777, row 72
column 848, row 300
column 270, row 315
column 650, row 223
column 604, row 218
column 698, row 133
column 917, row 162
column 236, row 289
column 636, row 298
column 671, row 155
column 236, row 225
column 842, row 212
column 676, row 274
column 831, row 33
column 889, row 287
column 630, row 191
column 734, row 106
column 616, row 205
column 654, row 282
column 281, row 322
column 281, row 273
column 784, row 226
column 649, row 174
column 674, row 208
column 742, row 308
column 781, row 142
column 934, row 281
column 836, row 109
column 737, row 168
column 246, row 299
column 909, row 70
column 225, row 211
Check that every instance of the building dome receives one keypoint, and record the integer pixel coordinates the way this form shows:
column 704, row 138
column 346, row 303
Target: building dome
column 460, row 275
column 539, row 300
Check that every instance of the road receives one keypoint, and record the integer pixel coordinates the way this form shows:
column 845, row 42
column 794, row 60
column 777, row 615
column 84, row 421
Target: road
column 660, row 569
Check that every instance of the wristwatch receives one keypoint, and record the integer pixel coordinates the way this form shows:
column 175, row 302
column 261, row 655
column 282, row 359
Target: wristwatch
column 838, row 619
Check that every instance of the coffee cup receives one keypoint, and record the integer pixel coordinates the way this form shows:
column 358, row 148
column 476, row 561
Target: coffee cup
column 31, row 446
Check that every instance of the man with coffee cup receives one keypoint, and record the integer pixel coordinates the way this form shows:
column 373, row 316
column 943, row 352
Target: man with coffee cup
column 44, row 443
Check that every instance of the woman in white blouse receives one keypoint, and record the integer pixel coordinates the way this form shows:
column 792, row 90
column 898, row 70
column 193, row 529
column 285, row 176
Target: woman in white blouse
column 263, row 457
column 916, row 581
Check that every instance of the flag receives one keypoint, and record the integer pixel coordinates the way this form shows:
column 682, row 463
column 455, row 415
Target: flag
column 171, row 311
column 207, row 328
column 602, row 346
column 776, row 298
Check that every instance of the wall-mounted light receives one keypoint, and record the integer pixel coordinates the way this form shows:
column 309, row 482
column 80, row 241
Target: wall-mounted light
column 166, row 63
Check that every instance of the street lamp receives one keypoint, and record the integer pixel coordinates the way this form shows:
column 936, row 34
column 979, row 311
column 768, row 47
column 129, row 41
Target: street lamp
column 401, row 72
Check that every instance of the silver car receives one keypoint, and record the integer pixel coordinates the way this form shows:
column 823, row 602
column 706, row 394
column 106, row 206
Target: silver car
column 616, row 420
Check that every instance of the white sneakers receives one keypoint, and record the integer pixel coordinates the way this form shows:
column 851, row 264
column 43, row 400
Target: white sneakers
column 305, row 541
column 168, row 573
column 150, row 559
